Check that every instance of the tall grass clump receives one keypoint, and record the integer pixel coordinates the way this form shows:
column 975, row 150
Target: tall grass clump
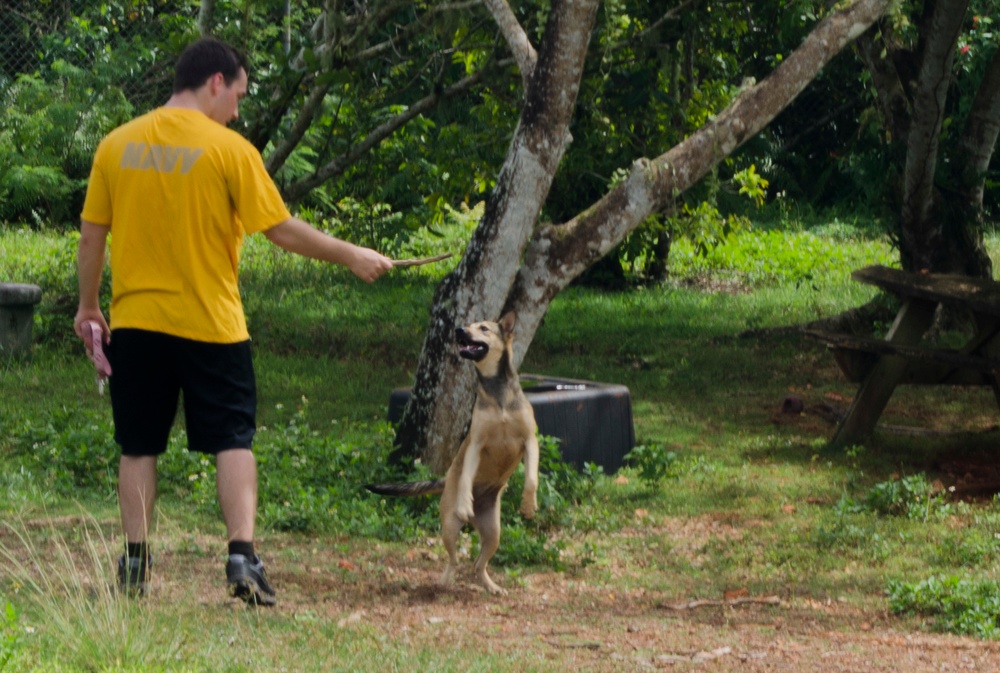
column 67, row 598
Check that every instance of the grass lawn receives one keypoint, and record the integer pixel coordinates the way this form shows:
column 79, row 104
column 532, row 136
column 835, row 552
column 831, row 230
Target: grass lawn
column 735, row 539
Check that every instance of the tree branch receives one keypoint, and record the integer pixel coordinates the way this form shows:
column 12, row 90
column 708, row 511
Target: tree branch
column 303, row 122
column 515, row 37
column 300, row 189
column 559, row 253
column 874, row 51
column 671, row 14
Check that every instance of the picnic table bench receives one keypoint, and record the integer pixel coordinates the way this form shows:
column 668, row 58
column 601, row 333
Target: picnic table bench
column 879, row 365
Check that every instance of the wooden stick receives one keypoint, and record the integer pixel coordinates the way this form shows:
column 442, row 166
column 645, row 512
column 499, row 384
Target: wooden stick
column 399, row 263
column 766, row 600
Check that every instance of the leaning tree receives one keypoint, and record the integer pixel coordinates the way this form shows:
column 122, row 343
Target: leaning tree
column 515, row 261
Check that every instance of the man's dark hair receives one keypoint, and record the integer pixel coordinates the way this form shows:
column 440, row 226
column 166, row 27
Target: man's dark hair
column 202, row 59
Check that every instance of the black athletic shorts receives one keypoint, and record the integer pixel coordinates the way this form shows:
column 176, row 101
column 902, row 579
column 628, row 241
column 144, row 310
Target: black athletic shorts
column 149, row 372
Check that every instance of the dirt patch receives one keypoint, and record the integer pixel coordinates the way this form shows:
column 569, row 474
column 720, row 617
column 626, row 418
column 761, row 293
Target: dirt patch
column 576, row 623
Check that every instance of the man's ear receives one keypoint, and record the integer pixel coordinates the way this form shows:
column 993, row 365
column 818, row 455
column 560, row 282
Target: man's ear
column 215, row 83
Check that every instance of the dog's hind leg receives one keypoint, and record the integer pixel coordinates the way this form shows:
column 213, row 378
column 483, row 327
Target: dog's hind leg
column 451, row 527
column 488, row 524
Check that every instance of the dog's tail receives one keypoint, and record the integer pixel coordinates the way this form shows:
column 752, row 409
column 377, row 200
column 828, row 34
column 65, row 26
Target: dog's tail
column 411, row 488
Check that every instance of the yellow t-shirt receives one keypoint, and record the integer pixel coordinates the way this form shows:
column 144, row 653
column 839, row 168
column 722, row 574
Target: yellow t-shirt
column 179, row 191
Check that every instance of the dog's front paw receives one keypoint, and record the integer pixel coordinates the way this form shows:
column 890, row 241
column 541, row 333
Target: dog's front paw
column 464, row 510
column 528, row 507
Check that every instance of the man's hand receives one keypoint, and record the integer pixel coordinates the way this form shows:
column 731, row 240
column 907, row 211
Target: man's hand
column 369, row 264
column 83, row 316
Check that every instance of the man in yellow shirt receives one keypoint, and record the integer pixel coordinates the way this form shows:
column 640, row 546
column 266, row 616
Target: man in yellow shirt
column 177, row 190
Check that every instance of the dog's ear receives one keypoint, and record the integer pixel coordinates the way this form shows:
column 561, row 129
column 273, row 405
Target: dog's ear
column 507, row 323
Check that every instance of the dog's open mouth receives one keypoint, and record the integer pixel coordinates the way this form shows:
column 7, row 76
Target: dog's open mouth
column 469, row 348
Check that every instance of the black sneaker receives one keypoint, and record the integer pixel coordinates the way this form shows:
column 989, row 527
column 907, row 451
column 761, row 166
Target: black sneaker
column 133, row 574
column 248, row 581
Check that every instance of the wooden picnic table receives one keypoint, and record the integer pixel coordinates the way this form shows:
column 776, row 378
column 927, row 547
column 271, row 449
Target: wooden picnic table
column 879, row 365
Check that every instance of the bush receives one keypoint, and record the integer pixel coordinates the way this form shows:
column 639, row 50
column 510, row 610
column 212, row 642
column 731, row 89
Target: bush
column 912, row 497
column 653, row 463
column 47, row 140
column 957, row 605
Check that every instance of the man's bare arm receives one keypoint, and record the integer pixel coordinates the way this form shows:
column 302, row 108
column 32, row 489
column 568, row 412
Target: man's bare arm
column 303, row 239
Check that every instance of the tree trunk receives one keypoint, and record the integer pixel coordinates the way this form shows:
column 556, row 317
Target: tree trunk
column 491, row 277
column 438, row 411
column 921, row 242
column 964, row 223
column 939, row 229
column 206, row 16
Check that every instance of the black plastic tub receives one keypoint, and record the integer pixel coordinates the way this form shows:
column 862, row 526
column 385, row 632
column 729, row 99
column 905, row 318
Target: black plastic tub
column 593, row 421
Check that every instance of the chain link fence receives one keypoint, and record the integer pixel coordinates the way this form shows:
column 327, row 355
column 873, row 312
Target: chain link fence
column 127, row 45
column 70, row 71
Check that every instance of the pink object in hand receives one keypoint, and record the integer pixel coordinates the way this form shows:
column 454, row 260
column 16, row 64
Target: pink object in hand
column 97, row 352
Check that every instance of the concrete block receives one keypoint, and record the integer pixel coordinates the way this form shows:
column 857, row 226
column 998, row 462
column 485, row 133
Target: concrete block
column 17, row 315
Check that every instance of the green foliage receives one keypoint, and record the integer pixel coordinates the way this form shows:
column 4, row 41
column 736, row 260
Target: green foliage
column 696, row 223
column 374, row 226
column 850, row 530
column 752, row 184
column 313, row 482
column 771, row 257
column 10, row 635
column 47, row 139
column 955, row 604
column 974, row 546
column 527, row 545
column 912, row 497
column 653, row 463
column 68, row 451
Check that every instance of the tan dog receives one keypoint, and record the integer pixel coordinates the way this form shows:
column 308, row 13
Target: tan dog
column 501, row 435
